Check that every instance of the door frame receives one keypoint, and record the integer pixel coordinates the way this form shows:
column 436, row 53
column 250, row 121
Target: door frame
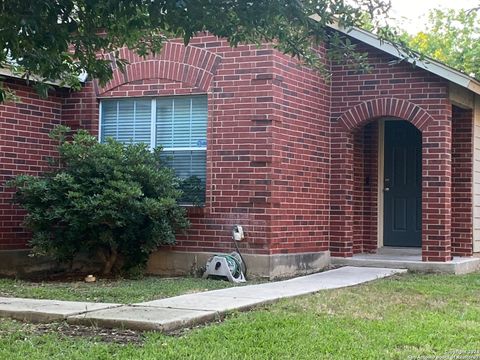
column 380, row 182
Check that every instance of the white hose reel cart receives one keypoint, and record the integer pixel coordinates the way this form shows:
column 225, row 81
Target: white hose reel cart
column 230, row 266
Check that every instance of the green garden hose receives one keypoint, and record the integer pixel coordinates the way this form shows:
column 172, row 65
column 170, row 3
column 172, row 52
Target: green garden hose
column 234, row 263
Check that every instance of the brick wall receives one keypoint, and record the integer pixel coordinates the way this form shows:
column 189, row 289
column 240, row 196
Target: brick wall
column 240, row 105
column 365, row 190
column 24, row 148
column 289, row 156
column 80, row 109
column 403, row 92
column 462, row 182
column 300, row 158
column 268, row 145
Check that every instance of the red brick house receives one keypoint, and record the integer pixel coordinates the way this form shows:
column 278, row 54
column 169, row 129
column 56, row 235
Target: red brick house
column 312, row 170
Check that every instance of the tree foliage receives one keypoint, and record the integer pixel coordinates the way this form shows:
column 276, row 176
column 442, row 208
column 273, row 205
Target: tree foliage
column 115, row 201
column 452, row 37
column 59, row 39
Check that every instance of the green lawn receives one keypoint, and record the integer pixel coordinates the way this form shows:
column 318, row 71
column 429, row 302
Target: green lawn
column 397, row 318
column 118, row 291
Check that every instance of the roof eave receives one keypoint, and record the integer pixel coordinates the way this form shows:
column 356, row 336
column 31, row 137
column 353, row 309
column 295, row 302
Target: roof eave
column 432, row 66
column 8, row 73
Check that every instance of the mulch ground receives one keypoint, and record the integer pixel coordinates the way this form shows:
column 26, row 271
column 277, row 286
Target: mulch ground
column 117, row 336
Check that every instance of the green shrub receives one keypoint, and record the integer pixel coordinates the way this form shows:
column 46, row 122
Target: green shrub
column 114, row 201
column 193, row 191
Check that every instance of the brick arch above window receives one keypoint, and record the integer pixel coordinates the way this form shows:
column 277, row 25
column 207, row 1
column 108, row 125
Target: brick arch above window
column 189, row 65
column 366, row 111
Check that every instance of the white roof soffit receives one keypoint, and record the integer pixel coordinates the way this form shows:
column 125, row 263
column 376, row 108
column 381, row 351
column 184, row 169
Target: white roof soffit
column 8, row 73
column 432, row 66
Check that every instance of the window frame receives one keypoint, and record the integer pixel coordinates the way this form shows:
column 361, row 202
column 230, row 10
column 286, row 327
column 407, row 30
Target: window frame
column 153, row 125
column 153, row 119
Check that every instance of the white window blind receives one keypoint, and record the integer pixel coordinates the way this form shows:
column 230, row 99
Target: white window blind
column 126, row 120
column 182, row 131
column 179, row 124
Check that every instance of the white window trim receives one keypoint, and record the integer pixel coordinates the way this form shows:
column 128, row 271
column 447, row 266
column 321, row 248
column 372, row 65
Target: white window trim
column 185, row 149
column 153, row 124
column 100, row 121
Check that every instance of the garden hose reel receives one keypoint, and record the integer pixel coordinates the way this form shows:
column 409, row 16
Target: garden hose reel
column 230, row 266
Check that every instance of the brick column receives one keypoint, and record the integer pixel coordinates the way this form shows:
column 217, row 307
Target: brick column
column 359, row 189
column 341, row 194
column 436, row 195
column 462, row 182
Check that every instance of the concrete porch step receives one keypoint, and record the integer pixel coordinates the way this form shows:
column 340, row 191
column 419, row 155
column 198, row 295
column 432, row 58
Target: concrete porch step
column 409, row 259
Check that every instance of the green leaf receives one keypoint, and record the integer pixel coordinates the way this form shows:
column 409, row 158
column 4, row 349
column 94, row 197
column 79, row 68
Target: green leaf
column 104, row 198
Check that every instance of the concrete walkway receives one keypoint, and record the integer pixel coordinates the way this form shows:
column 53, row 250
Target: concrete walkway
column 185, row 310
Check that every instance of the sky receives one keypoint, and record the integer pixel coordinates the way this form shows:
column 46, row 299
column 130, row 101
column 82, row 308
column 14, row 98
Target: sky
column 411, row 14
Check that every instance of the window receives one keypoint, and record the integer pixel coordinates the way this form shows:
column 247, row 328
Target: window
column 179, row 124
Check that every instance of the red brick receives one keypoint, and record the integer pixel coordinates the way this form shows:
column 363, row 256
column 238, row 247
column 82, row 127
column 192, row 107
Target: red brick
column 291, row 157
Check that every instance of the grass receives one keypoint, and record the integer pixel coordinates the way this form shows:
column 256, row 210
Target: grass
column 117, row 291
column 397, row 318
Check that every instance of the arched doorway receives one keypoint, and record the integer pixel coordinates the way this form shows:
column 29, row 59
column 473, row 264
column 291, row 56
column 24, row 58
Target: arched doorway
column 357, row 188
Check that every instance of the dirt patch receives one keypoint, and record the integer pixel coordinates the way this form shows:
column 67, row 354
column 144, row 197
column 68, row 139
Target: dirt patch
column 116, row 336
column 64, row 277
